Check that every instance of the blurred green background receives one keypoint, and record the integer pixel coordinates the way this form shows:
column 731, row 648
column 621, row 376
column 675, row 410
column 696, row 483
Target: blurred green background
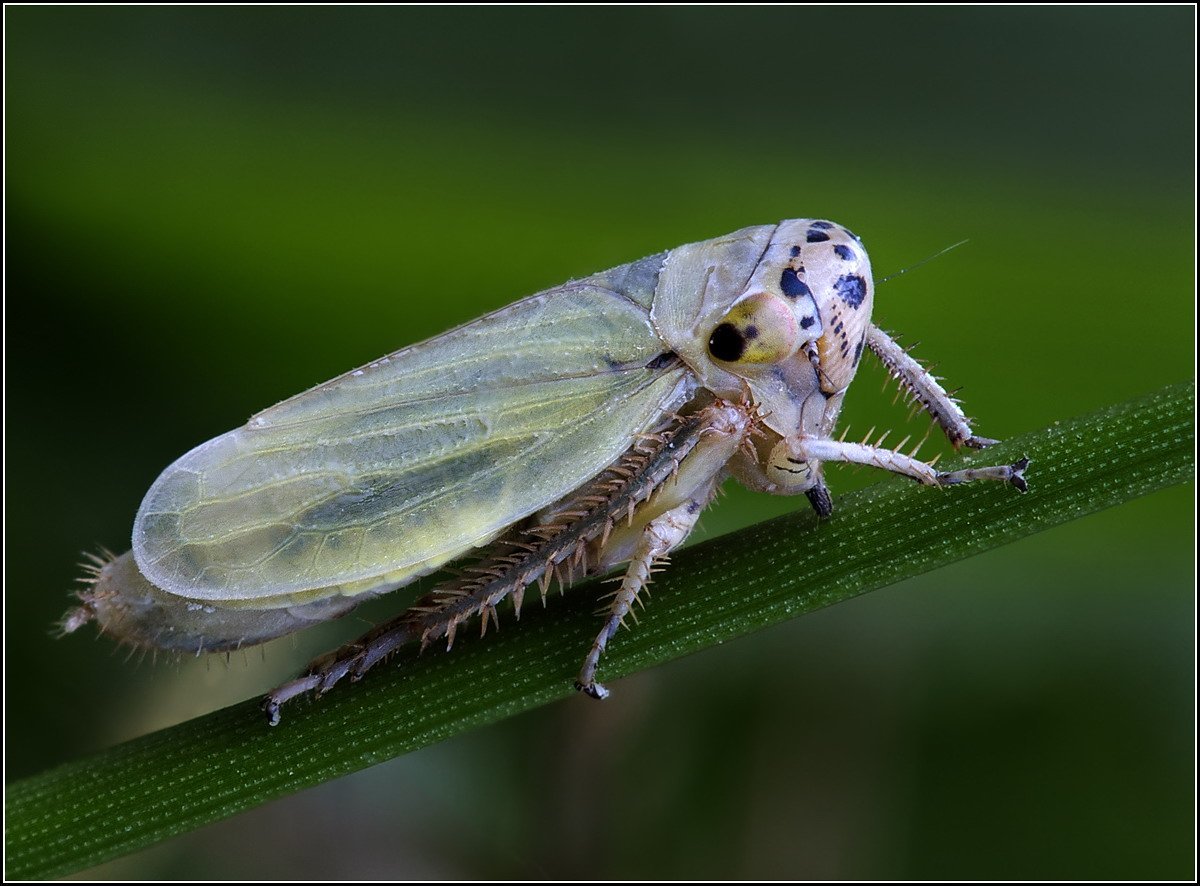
column 211, row 209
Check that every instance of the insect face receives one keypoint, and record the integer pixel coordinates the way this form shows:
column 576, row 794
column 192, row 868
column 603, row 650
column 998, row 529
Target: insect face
column 791, row 330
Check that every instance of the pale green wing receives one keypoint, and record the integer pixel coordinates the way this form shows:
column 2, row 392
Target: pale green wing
column 393, row 469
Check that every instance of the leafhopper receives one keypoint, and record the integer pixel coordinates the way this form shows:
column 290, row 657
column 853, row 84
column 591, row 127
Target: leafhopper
column 574, row 431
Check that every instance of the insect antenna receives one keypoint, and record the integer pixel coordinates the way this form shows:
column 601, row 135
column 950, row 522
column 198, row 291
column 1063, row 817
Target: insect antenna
column 924, row 261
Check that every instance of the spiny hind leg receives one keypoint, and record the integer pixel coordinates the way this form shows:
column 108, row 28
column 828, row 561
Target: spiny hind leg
column 656, row 539
column 921, row 385
column 353, row 659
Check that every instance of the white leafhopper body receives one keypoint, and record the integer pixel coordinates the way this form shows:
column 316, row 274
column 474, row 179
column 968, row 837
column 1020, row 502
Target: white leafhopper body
column 572, row 431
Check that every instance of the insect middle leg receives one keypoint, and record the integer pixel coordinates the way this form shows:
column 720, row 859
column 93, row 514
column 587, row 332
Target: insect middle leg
column 658, row 538
column 662, row 525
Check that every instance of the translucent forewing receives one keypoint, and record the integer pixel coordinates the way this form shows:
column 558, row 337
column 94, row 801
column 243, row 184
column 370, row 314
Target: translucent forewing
column 389, row 471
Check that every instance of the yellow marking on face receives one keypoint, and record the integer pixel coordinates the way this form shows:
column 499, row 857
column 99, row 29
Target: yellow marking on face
column 759, row 329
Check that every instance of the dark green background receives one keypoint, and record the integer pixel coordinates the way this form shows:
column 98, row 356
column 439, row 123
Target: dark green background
column 211, row 209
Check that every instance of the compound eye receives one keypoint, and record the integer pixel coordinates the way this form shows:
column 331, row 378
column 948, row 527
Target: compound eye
column 759, row 329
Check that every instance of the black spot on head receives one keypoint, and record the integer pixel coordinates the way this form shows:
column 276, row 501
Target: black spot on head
column 815, row 236
column 792, row 285
column 806, row 322
column 751, row 332
column 852, row 234
column 823, row 225
column 858, row 351
column 795, row 251
column 693, row 506
column 726, row 343
column 852, row 289
column 845, row 253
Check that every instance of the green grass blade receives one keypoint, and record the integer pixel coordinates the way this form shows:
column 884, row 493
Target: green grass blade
column 178, row 779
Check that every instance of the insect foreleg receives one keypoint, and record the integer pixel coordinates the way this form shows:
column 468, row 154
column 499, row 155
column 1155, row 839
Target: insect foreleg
column 800, row 451
column 656, row 540
column 921, row 385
